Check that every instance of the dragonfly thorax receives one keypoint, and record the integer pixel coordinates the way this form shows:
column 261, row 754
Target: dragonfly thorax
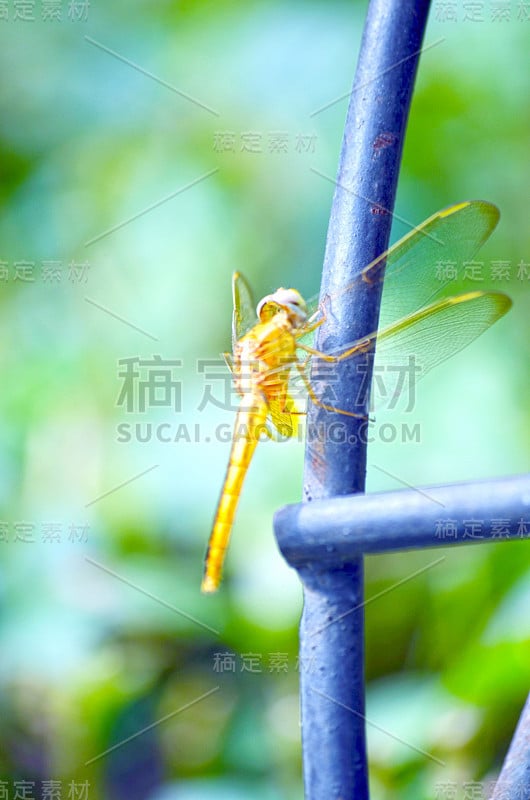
column 287, row 300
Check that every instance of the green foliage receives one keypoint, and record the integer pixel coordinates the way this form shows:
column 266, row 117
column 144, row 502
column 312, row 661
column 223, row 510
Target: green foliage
column 105, row 636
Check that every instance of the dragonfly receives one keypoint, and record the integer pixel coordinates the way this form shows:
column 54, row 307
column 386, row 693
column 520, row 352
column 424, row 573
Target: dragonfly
column 270, row 343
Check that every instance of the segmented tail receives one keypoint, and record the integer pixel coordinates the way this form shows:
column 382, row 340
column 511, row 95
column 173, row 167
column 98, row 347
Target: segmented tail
column 247, row 429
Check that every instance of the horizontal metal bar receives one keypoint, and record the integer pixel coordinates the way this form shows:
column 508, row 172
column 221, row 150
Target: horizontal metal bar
column 337, row 530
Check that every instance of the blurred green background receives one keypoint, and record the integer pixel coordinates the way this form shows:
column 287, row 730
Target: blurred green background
column 110, row 112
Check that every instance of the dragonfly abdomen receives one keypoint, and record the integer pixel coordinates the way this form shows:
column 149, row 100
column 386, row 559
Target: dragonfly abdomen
column 249, row 425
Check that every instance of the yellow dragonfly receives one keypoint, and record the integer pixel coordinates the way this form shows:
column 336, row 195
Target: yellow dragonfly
column 269, row 344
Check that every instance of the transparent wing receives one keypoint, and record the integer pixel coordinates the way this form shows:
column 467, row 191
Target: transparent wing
column 285, row 415
column 244, row 309
column 427, row 262
column 421, row 324
column 424, row 264
column 408, row 349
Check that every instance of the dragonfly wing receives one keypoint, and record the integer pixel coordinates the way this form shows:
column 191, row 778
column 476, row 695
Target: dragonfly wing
column 244, row 310
column 229, row 361
column 285, row 415
column 431, row 258
column 407, row 350
column 430, row 326
column 410, row 348
column 420, row 267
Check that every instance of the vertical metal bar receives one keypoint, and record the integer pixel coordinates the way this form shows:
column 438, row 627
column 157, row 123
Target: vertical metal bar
column 514, row 780
column 332, row 656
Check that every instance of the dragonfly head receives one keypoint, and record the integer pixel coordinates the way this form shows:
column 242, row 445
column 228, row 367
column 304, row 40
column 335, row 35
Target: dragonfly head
column 288, row 300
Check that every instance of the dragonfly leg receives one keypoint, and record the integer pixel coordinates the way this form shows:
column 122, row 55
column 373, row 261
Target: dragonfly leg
column 270, row 433
column 312, row 326
column 360, row 347
column 296, row 411
column 319, row 403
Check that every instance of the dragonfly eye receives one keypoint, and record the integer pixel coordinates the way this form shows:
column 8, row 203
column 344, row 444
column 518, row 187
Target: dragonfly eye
column 287, row 299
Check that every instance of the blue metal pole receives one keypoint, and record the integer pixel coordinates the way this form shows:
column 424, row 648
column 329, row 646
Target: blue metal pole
column 337, row 530
column 332, row 657
column 514, row 780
